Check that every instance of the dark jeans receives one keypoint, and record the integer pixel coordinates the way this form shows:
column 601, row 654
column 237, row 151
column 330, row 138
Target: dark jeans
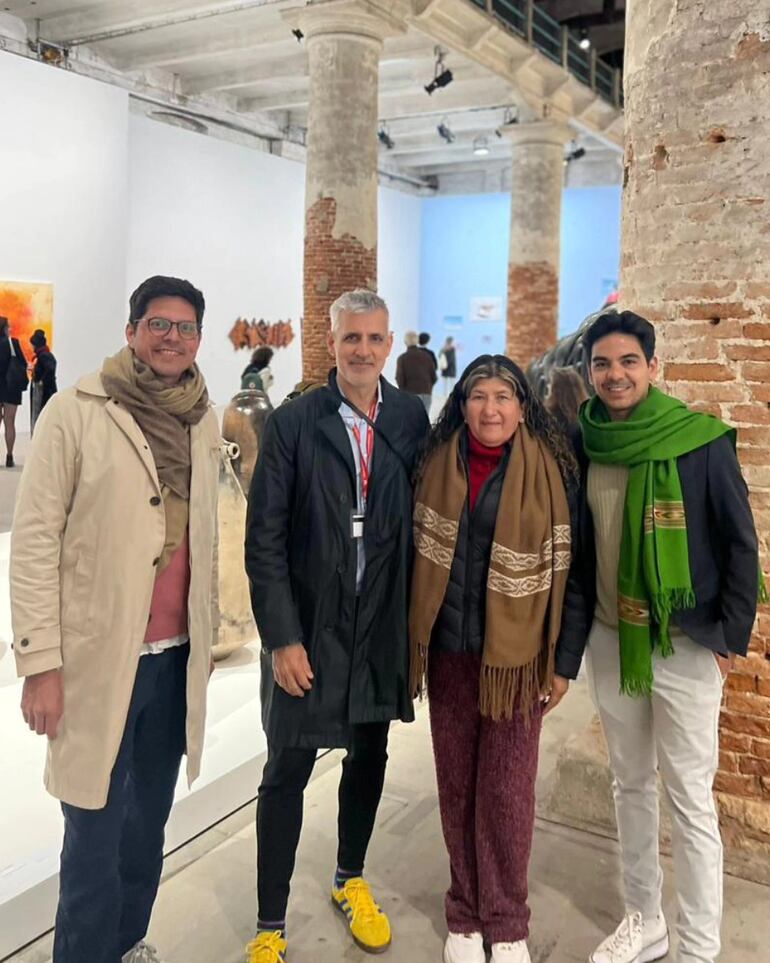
column 486, row 788
column 279, row 811
column 112, row 857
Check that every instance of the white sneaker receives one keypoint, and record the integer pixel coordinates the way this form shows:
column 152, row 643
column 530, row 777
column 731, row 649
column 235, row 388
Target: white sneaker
column 634, row 941
column 142, row 953
column 464, row 948
column 510, row 952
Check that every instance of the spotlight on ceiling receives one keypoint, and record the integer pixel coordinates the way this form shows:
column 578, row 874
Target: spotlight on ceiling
column 442, row 77
column 384, row 137
column 585, row 40
column 480, row 146
column 575, row 154
column 444, row 132
column 298, row 34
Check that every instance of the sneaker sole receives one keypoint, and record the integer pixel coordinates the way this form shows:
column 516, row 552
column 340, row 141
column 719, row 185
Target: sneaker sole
column 655, row 951
column 448, row 960
column 363, row 946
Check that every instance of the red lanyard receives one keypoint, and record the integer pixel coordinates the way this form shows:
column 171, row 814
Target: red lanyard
column 366, row 460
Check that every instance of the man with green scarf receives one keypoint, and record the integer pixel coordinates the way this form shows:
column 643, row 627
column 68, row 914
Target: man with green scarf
column 669, row 551
column 113, row 601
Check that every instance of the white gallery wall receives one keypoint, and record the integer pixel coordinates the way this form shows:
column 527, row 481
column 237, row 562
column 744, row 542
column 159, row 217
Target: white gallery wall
column 95, row 198
column 63, row 200
column 230, row 219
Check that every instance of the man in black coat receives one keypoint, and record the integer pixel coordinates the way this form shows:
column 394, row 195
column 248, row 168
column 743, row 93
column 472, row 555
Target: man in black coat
column 328, row 555
column 670, row 724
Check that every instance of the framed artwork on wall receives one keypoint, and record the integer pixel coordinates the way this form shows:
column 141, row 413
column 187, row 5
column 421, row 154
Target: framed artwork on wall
column 27, row 305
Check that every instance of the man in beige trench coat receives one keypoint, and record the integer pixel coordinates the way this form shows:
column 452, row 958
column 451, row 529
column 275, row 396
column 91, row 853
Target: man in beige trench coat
column 112, row 563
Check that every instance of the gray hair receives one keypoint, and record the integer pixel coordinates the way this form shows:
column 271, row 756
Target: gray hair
column 410, row 339
column 360, row 301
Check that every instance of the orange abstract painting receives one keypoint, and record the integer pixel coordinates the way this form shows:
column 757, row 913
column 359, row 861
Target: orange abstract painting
column 27, row 305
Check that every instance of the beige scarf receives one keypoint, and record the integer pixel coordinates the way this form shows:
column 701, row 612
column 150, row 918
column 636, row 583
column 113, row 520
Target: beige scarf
column 164, row 414
column 527, row 570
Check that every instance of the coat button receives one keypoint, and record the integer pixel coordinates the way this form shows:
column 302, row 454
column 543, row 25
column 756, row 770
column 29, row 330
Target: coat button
column 341, row 568
column 155, row 561
column 343, row 497
column 155, row 500
column 24, row 643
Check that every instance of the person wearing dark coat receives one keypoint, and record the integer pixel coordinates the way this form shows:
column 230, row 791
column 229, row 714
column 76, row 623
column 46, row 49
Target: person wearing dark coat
column 328, row 556
column 13, row 381
column 667, row 549
column 416, row 370
column 43, row 375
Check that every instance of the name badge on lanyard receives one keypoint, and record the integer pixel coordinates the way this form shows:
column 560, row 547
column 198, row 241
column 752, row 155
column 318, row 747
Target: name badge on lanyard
column 357, row 516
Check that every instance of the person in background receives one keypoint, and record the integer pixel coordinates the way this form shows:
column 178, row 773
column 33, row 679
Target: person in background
column 43, row 375
column 13, row 381
column 113, row 604
column 566, row 393
column 424, row 341
column 492, row 533
column 257, row 374
column 447, row 363
column 416, row 370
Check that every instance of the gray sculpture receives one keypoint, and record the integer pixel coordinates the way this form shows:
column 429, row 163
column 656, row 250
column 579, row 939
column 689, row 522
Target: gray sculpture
column 568, row 352
column 242, row 426
column 243, row 423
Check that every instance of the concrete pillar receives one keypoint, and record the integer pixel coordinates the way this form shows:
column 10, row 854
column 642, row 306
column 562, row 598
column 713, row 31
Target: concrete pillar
column 696, row 262
column 533, row 260
column 343, row 39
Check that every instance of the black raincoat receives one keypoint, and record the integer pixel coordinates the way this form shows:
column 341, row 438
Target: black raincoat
column 301, row 563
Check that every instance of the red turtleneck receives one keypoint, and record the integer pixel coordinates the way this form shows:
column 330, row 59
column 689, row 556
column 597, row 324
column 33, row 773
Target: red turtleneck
column 482, row 461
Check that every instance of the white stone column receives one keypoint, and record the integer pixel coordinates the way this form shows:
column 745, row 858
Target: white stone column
column 533, row 261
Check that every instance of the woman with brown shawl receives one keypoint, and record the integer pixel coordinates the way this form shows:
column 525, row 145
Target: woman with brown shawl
column 492, row 537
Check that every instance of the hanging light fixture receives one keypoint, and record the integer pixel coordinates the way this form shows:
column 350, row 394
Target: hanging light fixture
column 480, row 146
column 444, row 132
column 442, row 77
column 585, row 40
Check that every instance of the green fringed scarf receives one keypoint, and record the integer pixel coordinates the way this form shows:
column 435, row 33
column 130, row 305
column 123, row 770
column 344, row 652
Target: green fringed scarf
column 654, row 569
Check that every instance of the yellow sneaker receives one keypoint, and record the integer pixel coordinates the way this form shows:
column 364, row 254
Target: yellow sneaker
column 369, row 926
column 268, row 947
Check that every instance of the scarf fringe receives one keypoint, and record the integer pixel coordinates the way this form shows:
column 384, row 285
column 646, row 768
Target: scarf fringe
column 503, row 691
column 636, row 687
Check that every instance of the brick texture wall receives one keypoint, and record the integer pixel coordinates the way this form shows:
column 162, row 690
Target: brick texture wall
column 332, row 266
column 696, row 262
column 533, row 307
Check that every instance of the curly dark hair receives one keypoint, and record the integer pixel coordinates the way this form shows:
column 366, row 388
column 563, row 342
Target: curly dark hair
column 536, row 418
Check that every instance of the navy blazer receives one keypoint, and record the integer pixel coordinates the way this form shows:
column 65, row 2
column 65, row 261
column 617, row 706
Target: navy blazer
column 723, row 550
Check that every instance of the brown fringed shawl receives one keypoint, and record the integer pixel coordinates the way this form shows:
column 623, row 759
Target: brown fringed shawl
column 527, row 570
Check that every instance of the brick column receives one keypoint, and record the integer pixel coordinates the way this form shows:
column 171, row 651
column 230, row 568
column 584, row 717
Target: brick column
column 696, row 261
column 344, row 39
column 533, row 259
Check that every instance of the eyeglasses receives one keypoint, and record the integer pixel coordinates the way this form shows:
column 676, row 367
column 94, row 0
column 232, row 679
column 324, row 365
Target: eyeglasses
column 160, row 327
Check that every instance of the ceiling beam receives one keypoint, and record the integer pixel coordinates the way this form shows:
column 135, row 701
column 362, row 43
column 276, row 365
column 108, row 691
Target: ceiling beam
column 247, row 75
column 110, row 21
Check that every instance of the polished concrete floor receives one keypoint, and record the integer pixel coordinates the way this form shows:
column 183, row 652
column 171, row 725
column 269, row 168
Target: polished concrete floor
column 205, row 910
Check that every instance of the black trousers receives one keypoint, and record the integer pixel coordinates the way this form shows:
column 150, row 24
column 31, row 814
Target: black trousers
column 279, row 811
column 112, row 858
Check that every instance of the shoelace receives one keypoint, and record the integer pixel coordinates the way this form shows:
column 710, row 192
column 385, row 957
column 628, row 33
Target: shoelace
column 361, row 901
column 625, row 935
column 266, row 948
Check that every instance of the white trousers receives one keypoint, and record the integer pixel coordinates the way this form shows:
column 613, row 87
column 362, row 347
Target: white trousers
column 674, row 730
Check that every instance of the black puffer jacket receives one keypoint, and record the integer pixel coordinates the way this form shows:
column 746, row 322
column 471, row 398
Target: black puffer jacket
column 461, row 619
column 460, row 623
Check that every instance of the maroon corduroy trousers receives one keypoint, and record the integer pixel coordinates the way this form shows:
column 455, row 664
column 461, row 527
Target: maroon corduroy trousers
column 486, row 787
